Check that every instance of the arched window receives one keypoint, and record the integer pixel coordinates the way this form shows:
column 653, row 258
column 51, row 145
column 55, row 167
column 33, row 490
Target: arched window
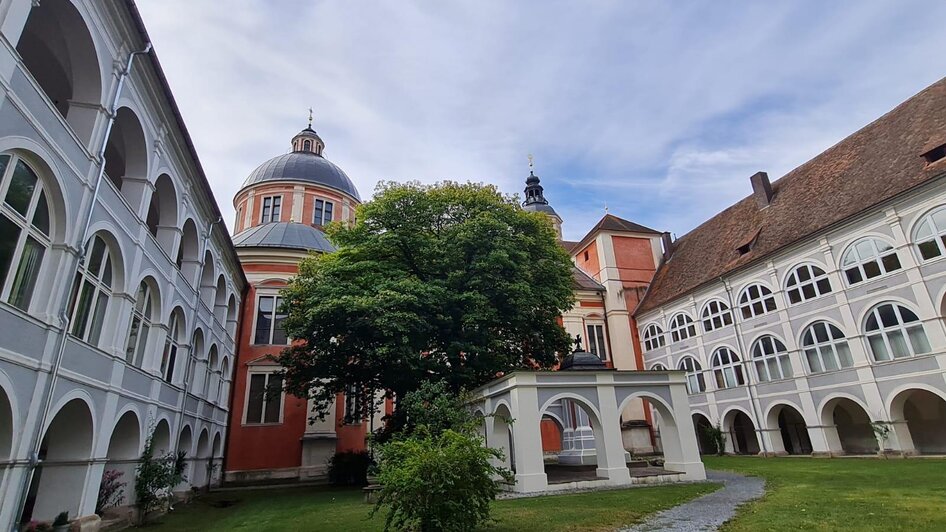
column 930, row 234
column 171, row 347
column 93, row 289
column 868, row 258
column 681, row 327
column 211, row 369
column 894, row 331
column 658, row 367
column 726, row 369
column 140, row 325
column 807, row 282
column 825, row 347
column 771, row 359
column 653, row 337
column 306, row 145
column 756, row 300
column 715, row 315
column 696, row 383
column 24, row 230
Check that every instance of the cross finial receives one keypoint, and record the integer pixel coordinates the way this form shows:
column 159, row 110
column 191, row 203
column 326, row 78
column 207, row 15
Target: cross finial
column 606, row 207
column 531, row 164
column 310, row 117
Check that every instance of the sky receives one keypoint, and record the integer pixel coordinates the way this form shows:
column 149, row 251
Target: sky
column 656, row 111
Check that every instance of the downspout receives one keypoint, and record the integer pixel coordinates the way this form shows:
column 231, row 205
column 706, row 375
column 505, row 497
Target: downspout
column 745, row 366
column 64, row 318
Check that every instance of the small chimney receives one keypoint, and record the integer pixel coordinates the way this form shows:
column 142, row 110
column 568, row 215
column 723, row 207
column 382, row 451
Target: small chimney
column 761, row 189
column 667, row 241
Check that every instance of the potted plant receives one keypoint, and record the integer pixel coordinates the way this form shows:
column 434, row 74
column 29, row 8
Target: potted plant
column 61, row 523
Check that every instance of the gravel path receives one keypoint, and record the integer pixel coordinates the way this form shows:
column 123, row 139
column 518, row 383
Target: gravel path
column 708, row 512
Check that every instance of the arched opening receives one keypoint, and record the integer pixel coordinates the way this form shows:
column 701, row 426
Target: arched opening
column 162, row 214
column 172, row 345
column 123, row 453
column 855, row 434
column 582, row 448
column 216, row 451
column 210, row 383
column 65, row 455
column 202, row 459
column 792, row 435
column 59, row 52
column 551, row 428
column 220, row 301
column 6, row 426
column 702, row 426
column 224, row 382
column 501, row 437
column 185, row 444
column 207, row 284
column 161, row 439
column 126, row 157
column 188, row 253
column 741, row 432
column 231, row 316
column 194, row 378
column 924, row 414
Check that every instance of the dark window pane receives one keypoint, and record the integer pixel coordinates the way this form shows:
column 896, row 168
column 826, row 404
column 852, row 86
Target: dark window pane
column 264, row 312
column 853, row 276
column 872, row 269
column 803, row 274
column 891, row 262
column 41, row 216
column 824, row 286
column 273, row 399
column 794, row 296
column 21, row 188
column 26, row 274
column 821, row 333
column 96, row 256
column 871, row 322
column 887, row 315
column 808, row 290
column 254, row 406
column 83, row 306
column 929, row 249
column 770, row 304
column 279, row 334
column 328, row 212
column 9, row 235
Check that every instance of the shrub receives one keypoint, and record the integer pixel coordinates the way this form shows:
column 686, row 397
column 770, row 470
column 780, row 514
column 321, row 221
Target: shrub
column 155, row 478
column 441, row 482
column 717, row 437
column 349, row 468
column 111, row 491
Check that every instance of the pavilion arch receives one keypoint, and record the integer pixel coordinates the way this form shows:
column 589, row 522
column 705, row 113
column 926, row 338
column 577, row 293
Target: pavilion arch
column 59, row 483
column 220, row 300
column 792, row 436
column 126, row 156
column 742, row 434
column 919, row 415
column 162, row 214
column 232, row 316
column 59, row 51
column 500, row 435
column 670, row 438
column 849, row 425
column 188, row 253
column 594, row 421
column 207, row 286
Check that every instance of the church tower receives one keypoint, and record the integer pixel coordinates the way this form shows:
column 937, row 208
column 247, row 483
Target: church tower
column 536, row 202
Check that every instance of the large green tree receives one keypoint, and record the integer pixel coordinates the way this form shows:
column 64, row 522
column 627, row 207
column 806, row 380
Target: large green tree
column 448, row 282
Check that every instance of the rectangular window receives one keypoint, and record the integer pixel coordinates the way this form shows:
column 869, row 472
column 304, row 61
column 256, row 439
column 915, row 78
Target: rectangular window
column 269, row 320
column 272, row 206
column 352, row 404
column 264, row 401
column 596, row 342
column 324, row 211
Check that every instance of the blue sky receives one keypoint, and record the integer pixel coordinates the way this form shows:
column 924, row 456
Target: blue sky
column 659, row 110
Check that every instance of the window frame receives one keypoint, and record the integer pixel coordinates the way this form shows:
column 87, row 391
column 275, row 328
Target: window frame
column 267, row 373
column 860, row 263
column 319, row 212
column 652, row 335
column 99, row 288
column 27, row 231
column 600, row 336
column 885, row 332
column 256, row 312
column 721, row 313
column 172, row 348
column 747, row 302
column 794, row 284
column 674, row 328
column 271, row 213
column 937, row 235
column 763, row 360
column 694, row 374
column 819, row 346
column 136, row 357
column 720, row 373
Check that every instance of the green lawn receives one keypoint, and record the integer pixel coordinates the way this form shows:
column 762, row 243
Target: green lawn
column 344, row 510
column 842, row 493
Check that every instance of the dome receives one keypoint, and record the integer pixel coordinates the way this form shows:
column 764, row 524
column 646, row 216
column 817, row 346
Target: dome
column 306, row 167
column 539, row 207
column 287, row 235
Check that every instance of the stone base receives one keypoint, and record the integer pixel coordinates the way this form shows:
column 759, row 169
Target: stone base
column 636, row 437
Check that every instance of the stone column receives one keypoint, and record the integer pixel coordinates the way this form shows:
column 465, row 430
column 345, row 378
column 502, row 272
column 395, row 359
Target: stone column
column 527, row 440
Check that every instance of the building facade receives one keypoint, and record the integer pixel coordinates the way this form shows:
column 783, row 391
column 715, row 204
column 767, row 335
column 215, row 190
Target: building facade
column 119, row 286
column 281, row 210
column 809, row 316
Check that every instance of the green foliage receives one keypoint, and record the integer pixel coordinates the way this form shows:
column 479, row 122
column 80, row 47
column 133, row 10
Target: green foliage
column 155, row 478
column 442, row 482
column 448, row 282
column 716, row 437
column 349, row 468
column 432, row 406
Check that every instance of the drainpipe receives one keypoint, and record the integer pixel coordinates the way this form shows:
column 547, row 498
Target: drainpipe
column 64, row 317
column 745, row 366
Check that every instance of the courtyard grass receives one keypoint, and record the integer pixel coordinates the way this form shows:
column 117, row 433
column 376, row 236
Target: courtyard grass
column 317, row 508
column 841, row 493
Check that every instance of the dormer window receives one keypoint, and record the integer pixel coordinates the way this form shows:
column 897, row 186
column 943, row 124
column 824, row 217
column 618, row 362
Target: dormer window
column 936, row 154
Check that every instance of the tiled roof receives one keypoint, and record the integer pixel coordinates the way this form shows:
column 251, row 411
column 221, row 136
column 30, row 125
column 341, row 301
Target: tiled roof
column 610, row 222
column 569, row 245
column 869, row 167
column 583, row 281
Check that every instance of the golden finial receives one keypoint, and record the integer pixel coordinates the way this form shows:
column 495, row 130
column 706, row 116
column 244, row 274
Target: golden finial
column 310, row 118
column 531, row 164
